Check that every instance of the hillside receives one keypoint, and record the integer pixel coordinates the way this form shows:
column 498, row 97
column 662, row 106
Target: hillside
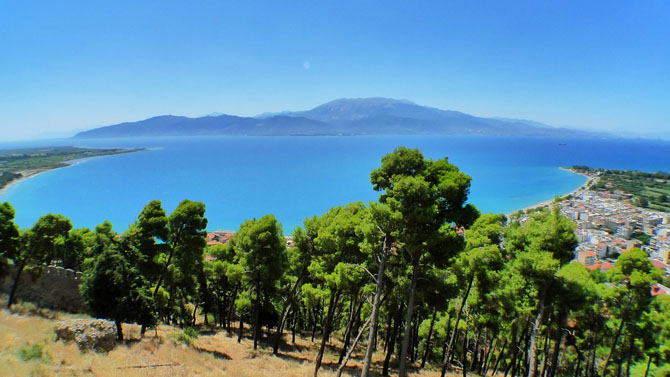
column 28, row 348
column 363, row 116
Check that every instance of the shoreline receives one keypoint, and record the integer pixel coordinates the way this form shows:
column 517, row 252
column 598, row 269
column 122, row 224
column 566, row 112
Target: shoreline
column 548, row 202
column 30, row 173
column 25, row 174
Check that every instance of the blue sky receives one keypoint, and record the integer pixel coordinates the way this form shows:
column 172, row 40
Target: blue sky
column 602, row 65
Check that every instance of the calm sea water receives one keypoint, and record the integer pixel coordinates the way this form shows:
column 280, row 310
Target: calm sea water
column 296, row 177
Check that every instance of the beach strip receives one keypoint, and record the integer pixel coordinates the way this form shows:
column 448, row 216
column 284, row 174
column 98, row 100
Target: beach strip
column 549, row 202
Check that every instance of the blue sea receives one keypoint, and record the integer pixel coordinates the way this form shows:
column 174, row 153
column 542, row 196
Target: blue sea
column 294, row 178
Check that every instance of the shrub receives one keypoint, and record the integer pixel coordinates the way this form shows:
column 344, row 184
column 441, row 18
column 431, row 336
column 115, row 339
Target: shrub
column 34, row 352
column 187, row 336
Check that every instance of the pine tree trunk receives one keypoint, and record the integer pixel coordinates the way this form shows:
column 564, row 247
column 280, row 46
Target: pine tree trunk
column 487, row 357
column 591, row 367
column 464, row 357
column 293, row 323
column 315, row 322
column 412, row 343
column 119, row 330
column 374, row 316
column 545, row 352
column 393, row 341
column 450, row 348
column 15, row 284
column 557, row 351
column 475, row 350
column 523, row 361
column 348, row 330
column 167, row 264
column 195, row 312
column 239, row 336
column 534, row 333
column 630, row 352
column 515, row 353
column 545, row 357
column 257, row 317
column 326, row 331
column 500, row 355
column 646, row 372
column 616, row 337
column 614, row 343
column 287, row 307
column 343, row 363
column 402, row 368
column 389, row 328
column 430, row 334
column 579, row 361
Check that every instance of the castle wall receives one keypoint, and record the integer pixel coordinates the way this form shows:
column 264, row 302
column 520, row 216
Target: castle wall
column 54, row 288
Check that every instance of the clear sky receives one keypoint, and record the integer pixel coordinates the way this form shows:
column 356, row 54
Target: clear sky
column 66, row 65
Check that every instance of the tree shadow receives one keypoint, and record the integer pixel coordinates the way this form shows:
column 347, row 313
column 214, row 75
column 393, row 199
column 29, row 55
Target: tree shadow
column 217, row 354
column 332, row 366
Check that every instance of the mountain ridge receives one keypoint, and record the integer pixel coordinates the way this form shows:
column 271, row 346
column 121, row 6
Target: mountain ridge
column 344, row 116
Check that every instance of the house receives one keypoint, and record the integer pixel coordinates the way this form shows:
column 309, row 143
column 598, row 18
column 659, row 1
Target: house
column 219, row 237
column 661, row 265
column 588, row 258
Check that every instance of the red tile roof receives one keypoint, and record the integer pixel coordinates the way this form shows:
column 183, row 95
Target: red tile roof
column 658, row 289
column 605, row 266
column 658, row 264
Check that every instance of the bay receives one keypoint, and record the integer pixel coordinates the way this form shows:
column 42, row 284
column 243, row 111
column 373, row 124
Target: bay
column 240, row 177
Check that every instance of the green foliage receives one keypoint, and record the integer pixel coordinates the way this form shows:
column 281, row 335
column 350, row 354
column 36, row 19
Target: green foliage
column 116, row 290
column 47, row 237
column 33, row 352
column 187, row 336
column 9, row 232
column 259, row 250
column 642, row 237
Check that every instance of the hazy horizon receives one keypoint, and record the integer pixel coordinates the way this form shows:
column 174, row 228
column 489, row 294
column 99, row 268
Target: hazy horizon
column 71, row 66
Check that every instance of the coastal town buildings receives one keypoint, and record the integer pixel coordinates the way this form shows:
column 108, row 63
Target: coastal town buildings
column 608, row 225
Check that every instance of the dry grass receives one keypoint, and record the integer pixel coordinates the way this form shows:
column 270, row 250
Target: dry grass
column 214, row 354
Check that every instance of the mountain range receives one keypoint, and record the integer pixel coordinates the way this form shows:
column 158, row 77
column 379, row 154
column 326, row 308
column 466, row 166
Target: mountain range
column 359, row 116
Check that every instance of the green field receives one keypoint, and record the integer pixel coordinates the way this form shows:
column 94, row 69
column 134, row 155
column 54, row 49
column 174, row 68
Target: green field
column 15, row 163
column 649, row 190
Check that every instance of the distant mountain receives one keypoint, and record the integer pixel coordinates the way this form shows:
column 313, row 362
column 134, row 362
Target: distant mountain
column 524, row 121
column 360, row 116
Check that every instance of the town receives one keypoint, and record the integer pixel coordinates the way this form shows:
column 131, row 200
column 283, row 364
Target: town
column 609, row 224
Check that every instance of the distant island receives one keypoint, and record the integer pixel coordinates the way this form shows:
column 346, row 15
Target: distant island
column 16, row 164
column 361, row 116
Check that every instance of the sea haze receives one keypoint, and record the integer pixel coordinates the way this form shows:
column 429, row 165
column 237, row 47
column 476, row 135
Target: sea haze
column 293, row 178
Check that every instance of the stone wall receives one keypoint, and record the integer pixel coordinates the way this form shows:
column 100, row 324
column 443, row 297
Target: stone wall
column 54, row 288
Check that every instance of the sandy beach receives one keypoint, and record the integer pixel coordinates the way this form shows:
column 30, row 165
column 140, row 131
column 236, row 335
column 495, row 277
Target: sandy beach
column 547, row 203
column 25, row 174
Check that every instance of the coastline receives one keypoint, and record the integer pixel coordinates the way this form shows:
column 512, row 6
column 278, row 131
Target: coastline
column 25, row 174
column 30, row 173
column 548, row 202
